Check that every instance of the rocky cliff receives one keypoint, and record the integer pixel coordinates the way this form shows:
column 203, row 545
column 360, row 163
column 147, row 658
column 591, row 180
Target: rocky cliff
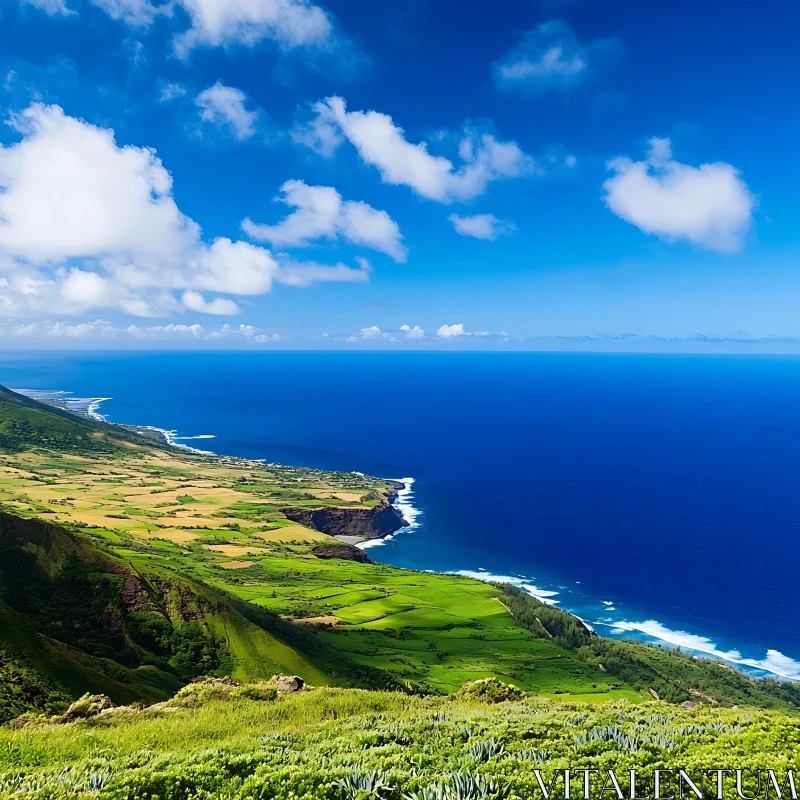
column 363, row 523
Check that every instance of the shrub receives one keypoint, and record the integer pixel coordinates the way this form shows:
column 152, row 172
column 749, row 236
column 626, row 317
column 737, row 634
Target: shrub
column 256, row 691
column 460, row 786
column 491, row 690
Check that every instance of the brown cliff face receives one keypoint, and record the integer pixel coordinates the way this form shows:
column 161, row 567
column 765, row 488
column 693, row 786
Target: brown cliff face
column 365, row 523
column 342, row 551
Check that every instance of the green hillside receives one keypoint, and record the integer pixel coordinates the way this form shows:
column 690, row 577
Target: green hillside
column 82, row 620
column 26, row 423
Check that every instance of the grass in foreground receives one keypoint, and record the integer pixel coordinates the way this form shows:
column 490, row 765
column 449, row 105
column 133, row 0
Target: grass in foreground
column 325, row 744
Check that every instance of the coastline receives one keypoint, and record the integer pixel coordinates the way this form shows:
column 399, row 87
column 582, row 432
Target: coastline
column 637, row 626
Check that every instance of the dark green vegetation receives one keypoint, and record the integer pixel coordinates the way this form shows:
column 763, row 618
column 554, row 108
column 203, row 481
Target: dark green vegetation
column 335, row 744
column 26, row 423
column 670, row 674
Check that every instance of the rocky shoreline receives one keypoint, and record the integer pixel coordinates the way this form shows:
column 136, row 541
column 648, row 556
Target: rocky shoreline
column 353, row 525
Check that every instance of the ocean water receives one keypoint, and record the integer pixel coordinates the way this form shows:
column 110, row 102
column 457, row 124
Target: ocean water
column 656, row 496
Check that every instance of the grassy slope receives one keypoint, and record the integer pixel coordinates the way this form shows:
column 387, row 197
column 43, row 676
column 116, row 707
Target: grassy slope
column 67, row 670
column 437, row 630
column 25, row 423
column 38, row 555
column 299, row 745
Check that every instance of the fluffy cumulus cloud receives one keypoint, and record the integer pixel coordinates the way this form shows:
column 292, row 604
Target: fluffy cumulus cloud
column 291, row 23
column 549, row 55
column 374, row 333
column 481, row 226
column 85, row 224
column 321, row 213
column 452, row 331
column 224, row 107
column 709, row 206
column 382, row 144
column 219, row 23
column 413, row 333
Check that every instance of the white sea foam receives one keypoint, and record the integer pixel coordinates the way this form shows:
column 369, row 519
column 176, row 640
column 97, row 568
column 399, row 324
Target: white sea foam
column 584, row 622
column 173, row 439
column 80, row 405
column 403, row 502
column 523, row 583
column 774, row 662
column 201, row 436
column 607, row 602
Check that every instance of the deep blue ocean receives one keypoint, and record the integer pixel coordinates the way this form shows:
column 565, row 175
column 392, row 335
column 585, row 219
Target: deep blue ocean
column 653, row 495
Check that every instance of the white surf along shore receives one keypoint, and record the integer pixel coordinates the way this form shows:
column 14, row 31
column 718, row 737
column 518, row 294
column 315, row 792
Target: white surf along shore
column 403, row 502
column 773, row 663
column 90, row 406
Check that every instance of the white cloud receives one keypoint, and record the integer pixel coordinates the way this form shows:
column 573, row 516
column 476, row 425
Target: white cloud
column 224, row 106
column 171, row 91
column 481, row 226
column 304, row 273
column 138, row 13
column 549, row 55
column 290, row 23
column 321, row 134
column 452, row 331
column 219, row 23
column 373, row 332
column 710, row 205
column 85, row 223
column 166, row 331
column 52, row 7
column 195, row 301
column 382, row 144
column 322, row 214
column 413, row 333
column 70, row 192
column 48, row 328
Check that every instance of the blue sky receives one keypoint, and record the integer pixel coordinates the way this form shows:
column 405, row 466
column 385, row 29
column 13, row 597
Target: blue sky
column 415, row 173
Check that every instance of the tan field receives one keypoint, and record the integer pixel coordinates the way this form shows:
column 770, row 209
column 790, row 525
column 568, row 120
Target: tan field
column 153, row 494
